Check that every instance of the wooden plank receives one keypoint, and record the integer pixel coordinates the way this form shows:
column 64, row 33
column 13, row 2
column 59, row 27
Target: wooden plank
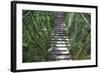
column 60, row 49
column 59, row 40
column 61, row 52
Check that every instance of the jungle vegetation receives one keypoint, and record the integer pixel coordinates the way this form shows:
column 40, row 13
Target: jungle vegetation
column 38, row 26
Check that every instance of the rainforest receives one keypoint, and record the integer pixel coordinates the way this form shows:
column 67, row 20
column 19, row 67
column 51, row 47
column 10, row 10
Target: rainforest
column 38, row 26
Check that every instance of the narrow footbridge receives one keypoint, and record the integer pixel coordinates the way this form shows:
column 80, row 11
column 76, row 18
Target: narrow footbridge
column 59, row 39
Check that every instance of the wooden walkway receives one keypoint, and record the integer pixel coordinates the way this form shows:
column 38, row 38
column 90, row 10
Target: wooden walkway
column 59, row 39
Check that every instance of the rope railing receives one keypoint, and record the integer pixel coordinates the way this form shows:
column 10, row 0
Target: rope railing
column 86, row 20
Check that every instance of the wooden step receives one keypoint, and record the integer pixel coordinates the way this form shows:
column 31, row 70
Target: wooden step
column 59, row 23
column 62, row 45
column 63, row 49
column 59, row 40
column 55, row 40
column 59, row 50
column 59, row 14
column 55, row 35
column 61, row 54
column 59, row 31
column 59, row 18
column 61, row 58
column 58, row 35
column 59, row 43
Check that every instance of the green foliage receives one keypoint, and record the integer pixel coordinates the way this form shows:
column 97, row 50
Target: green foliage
column 79, row 32
column 37, row 26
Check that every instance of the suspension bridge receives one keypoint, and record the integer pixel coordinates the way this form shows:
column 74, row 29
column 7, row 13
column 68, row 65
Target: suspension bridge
column 59, row 39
